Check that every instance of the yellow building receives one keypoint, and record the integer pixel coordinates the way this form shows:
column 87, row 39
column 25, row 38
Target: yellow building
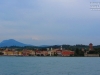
column 8, row 52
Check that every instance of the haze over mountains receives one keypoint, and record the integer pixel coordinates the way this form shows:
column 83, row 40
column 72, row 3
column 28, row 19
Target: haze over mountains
column 11, row 42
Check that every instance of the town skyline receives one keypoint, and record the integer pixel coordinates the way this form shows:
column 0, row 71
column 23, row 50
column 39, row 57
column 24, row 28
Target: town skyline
column 50, row 22
column 61, row 50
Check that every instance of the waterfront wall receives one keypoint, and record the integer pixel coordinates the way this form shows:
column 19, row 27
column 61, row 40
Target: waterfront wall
column 91, row 55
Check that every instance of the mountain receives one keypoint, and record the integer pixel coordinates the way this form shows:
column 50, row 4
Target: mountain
column 44, row 46
column 11, row 42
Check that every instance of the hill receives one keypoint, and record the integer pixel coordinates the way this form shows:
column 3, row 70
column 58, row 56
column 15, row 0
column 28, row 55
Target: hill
column 11, row 42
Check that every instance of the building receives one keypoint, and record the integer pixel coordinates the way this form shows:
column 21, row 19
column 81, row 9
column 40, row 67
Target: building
column 90, row 47
column 28, row 53
column 59, row 52
column 67, row 53
column 91, row 52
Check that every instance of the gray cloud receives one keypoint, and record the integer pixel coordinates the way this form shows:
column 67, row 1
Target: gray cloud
column 45, row 20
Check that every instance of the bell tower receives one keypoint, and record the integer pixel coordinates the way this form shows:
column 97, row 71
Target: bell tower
column 90, row 46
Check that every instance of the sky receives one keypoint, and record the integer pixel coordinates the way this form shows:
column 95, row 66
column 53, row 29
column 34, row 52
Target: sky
column 50, row 22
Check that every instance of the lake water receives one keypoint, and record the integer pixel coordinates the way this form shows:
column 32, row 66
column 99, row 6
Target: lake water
column 49, row 66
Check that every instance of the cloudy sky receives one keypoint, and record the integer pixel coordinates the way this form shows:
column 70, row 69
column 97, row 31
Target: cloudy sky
column 49, row 22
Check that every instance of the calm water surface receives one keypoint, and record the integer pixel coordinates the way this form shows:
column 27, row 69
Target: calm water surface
column 49, row 65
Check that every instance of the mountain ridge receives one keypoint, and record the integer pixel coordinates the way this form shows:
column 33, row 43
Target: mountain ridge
column 11, row 42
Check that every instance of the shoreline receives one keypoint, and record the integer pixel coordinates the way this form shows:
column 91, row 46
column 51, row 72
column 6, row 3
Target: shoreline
column 43, row 56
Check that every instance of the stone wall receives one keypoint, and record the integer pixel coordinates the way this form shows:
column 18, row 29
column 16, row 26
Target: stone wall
column 91, row 55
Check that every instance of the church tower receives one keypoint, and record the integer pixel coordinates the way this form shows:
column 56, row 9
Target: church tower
column 90, row 46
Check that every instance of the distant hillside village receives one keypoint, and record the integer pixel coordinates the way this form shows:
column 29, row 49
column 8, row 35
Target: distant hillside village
column 56, row 50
